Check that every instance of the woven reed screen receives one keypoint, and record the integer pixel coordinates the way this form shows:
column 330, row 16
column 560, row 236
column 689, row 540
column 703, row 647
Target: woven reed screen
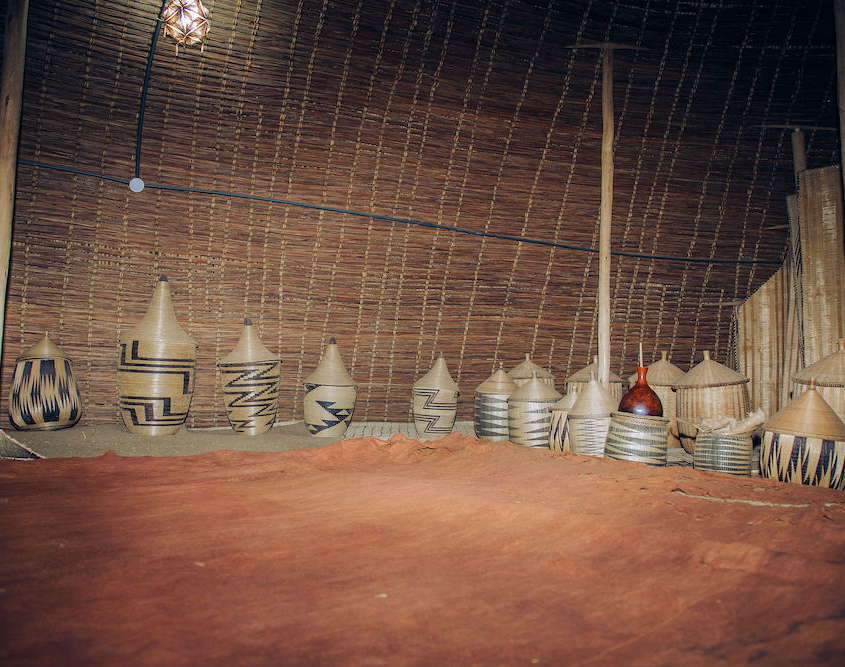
column 261, row 151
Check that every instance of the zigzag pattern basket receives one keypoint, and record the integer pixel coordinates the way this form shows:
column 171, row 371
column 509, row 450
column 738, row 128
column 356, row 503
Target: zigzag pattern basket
column 803, row 459
column 528, row 423
column 724, row 452
column 251, row 394
column 587, row 435
column 637, row 438
column 490, row 416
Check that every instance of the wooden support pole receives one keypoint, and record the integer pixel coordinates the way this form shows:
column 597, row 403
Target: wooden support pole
column 605, row 216
column 11, row 91
column 839, row 17
column 799, row 155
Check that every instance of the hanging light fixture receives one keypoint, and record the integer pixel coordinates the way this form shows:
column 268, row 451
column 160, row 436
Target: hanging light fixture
column 186, row 21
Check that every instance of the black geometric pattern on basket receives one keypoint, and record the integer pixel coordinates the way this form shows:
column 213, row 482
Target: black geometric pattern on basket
column 530, row 425
column 250, row 387
column 135, row 363
column 43, row 397
column 335, row 416
column 436, row 424
column 491, row 416
column 150, row 410
column 829, row 471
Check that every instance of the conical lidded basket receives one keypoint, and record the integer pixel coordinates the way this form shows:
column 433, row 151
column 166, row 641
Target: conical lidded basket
column 579, row 380
column 661, row 377
column 828, row 375
column 250, row 376
column 330, row 394
column 435, row 401
column 559, row 427
column 156, row 369
column 530, row 413
column 526, row 369
column 43, row 394
column 589, row 419
column 710, row 389
column 490, row 414
column 804, row 443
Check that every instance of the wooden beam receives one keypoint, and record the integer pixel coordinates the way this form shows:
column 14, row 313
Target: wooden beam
column 839, row 17
column 11, row 91
column 605, row 216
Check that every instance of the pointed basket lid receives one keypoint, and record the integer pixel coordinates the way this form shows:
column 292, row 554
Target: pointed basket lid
column 808, row 415
column 710, row 373
column 594, row 401
column 592, row 371
column 525, row 368
column 566, row 402
column 249, row 348
column 160, row 322
column 827, row 372
column 535, row 390
column 330, row 370
column 499, row 383
column 43, row 349
column 437, row 377
column 662, row 373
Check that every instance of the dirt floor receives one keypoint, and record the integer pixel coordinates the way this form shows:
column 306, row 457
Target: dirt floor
column 372, row 552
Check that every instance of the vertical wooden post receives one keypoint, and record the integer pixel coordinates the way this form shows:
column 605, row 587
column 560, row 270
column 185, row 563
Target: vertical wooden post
column 605, row 216
column 799, row 155
column 11, row 91
column 839, row 16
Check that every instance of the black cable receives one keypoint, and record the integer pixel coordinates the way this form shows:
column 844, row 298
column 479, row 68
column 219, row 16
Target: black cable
column 143, row 103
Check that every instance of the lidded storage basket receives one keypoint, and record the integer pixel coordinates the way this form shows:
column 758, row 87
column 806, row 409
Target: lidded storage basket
column 589, row 419
column 559, row 427
column 710, row 389
column 523, row 372
column 579, row 380
column 435, row 402
column 661, row 377
column 43, row 395
column 156, row 369
column 530, row 413
column 828, row 375
column 804, row 443
column 250, row 376
column 330, row 394
column 490, row 415
column 637, row 438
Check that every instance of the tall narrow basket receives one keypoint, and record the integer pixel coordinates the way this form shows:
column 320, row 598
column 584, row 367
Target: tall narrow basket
column 490, row 414
column 589, row 419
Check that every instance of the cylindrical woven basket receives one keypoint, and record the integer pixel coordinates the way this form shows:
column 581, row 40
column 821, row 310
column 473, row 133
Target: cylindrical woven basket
column 708, row 390
column 523, row 372
column 579, row 380
column 804, row 443
column 828, row 377
column 490, row 414
column 558, row 428
column 589, row 420
column 530, row 413
column 435, row 402
column 661, row 377
column 637, row 438
column 723, row 452
column 330, row 394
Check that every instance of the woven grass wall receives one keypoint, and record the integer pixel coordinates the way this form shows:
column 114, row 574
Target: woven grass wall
column 287, row 163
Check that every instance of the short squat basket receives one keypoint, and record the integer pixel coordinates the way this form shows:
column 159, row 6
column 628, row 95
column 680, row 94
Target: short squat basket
column 490, row 414
column 637, row 438
column 723, row 452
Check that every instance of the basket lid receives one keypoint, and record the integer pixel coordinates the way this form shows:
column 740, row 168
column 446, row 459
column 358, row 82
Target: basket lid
column 662, row 373
column 592, row 371
column 566, row 402
column 330, row 370
column 437, row 377
column 593, row 401
column 534, row 390
column 249, row 348
column 710, row 373
column 827, row 372
column 159, row 323
column 499, row 383
column 43, row 349
column 808, row 415
column 523, row 370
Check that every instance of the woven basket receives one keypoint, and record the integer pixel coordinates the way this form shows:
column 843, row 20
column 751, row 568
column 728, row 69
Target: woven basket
column 828, row 376
column 589, row 419
column 559, row 428
column 435, row 402
column 530, row 413
column 637, row 438
column 804, row 443
column 490, row 414
column 661, row 377
column 330, row 394
column 579, row 380
column 708, row 390
column 523, row 372
column 724, row 452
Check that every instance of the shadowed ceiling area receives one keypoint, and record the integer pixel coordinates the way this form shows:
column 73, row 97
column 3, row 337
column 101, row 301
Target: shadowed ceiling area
column 409, row 177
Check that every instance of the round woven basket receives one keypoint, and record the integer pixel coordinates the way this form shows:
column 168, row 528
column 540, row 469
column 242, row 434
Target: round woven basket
column 723, row 452
column 435, row 402
column 637, row 438
column 490, row 414
column 661, row 377
column 579, row 380
column 828, row 376
column 589, row 419
column 330, row 394
column 523, row 372
column 708, row 390
column 530, row 413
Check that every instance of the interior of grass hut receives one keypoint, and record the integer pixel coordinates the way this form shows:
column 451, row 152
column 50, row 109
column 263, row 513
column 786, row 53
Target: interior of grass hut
column 422, row 332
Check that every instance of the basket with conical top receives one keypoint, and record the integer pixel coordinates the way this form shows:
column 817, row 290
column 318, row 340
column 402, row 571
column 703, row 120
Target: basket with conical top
column 828, row 377
column 330, row 394
column 523, row 372
column 530, row 413
column 559, row 426
column 804, row 443
column 250, row 376
column 589, row 419
column 708, row 390
column 43, row 395
column 435, row 402
column 490, row 414
column 156, row 369
column 661, row 377
column 579, row 380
